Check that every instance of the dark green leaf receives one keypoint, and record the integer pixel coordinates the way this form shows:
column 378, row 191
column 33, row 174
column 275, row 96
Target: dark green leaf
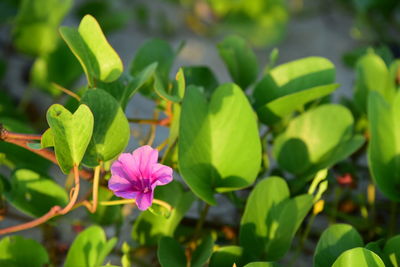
column 240, row 60
column 170, row 253
column 111, row 128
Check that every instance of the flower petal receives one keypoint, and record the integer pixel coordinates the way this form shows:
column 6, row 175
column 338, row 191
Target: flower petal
column 126, row 194
column 144, row 200
column 144, row 158
column 117, row 183
column 127, row 167
column 161, row 174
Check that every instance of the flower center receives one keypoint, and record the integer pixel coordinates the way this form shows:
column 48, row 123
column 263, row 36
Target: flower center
column 146, row 189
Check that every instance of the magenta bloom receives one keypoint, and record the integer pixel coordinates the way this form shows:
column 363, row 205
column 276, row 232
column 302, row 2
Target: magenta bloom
column 134, row 176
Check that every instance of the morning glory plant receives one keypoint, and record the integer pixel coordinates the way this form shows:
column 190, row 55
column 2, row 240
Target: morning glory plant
column 268, row 144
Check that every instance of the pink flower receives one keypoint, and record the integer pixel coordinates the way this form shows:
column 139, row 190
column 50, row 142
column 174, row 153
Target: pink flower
column 134, row 176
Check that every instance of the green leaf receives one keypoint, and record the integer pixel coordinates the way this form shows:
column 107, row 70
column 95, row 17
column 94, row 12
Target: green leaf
column 212, row 155
column 372, row 75
column 106, row 215
column 152, row 51
column 275, row 110
column 47, row 139
column 47, row 70
column 333, row 242
column 384, row 144
column 34, row 194
column 362, row 257
column 240, row 60
column 170, row 253
column 316, row 140
column 148, row 227
column 201, row 76
column 88, row 43
column 203, row 252
column 293, row 77
column 271, row 219
column 90, row 248
column 16, row 251
column 35, row 27
column 226, row 257
column 72, row 133
column 392, row 251
column 111, row 130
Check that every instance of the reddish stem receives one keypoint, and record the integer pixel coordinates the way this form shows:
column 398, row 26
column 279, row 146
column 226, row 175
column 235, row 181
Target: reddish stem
column 54, row 211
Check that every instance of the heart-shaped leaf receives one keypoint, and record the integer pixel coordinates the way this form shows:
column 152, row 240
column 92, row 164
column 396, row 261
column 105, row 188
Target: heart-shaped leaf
column 16, row 251
column 33, row 193
column 90, row 248
column 333, row 242
column 316, row 140
column 271, row 219
column 219, row 146
column 88, row 43
column 111, row 130
column 240, row 60
column 362, row 257
column 72, row 133
column 384, row 144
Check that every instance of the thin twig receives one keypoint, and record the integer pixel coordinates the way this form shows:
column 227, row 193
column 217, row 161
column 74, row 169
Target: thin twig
column 68, row 92
column 132, row 201
column 54, row 211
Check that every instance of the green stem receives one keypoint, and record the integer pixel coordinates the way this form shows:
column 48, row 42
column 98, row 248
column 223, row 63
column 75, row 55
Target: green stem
column 131, row 201
column 201, row 221
column 303, row 238
column 96, row 179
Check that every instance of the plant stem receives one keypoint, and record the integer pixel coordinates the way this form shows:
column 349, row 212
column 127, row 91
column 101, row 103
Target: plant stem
column 201, row 221
column 21, row 141
column 68, row 92
column 92, row 206
column 54, row 211
column 132, row 201
column 163, row 122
